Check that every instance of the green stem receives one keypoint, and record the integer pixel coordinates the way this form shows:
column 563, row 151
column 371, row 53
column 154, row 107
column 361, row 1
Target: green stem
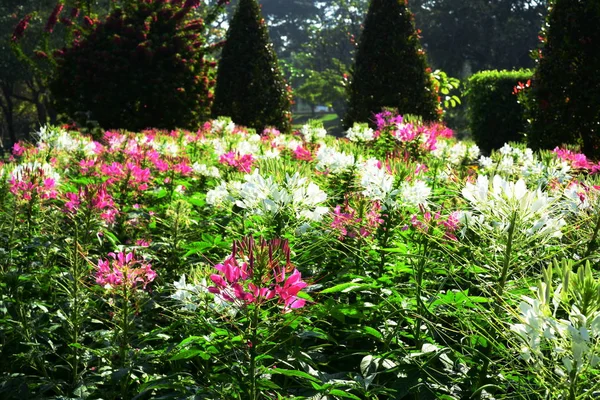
column 487, row 350
column 10, row 239
column 253, row 395
column 506, row 260
column 420, row 271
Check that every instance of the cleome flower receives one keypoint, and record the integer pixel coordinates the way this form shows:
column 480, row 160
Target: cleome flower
column 502, row 201
column 34, row 179
column 263, row 196
column 124, row 270
column 257, row 272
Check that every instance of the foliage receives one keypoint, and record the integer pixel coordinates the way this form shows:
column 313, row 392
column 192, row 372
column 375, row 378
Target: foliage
column 564, row 103
column 143, row 66
column 250, row 87
column 223, row 264
column 466, row 37
column 495, row 114
column 390, row 68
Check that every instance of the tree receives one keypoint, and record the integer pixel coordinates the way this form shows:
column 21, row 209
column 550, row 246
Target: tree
column 469, row 36
column 143, row 66
column 250, row 87
column 565, row 92
column 391, row 68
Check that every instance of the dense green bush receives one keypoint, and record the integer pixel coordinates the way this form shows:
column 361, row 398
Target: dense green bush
column 390, row 69
column 565, row 95
column 495, row 115
column 143, row 66
column 250, row 86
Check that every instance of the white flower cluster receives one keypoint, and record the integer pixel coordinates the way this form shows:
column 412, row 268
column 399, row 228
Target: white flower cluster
column 59, row 139
column 574, row 343
column 46, row 171
column 496, row 205
column 203, row 170
column 514, row 161
column 360, row 133
column 263, row 196
column 312, row 133
column 333, row 161
column 456, row 154
column 192, row 295
column 377, row 182
column 222, row 125
column 414, row 193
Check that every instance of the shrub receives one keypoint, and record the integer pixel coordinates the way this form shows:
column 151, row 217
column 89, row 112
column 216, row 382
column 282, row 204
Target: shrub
column 250, row 86
column 390, row 69
column 143, row 66
column 565, row 94
column 495, row 115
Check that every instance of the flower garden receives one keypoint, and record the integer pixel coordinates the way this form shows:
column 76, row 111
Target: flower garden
column 393, row 263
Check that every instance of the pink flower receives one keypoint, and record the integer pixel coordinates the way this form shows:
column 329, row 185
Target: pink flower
column 242, row 163
column 17, row 149
column 302, row 154
column 261, row 277
column 124, row 269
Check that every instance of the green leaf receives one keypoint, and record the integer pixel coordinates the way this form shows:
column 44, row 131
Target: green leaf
column 373, row 332
column 190, row 353
column 347, row 287
column 294, row 373
column 341, row 393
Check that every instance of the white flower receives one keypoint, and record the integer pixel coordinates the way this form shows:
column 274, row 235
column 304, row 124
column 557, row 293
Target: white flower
column 313, row 133
column 222, row 125
column 218, row 196
column 376, row 182
column 477, row 193
column 473, row 152
column 485, row 162
column 203, row 170
column 360, row 133
column 333, row 161
column 415, row 194
column 22, row 171
column 187, row 293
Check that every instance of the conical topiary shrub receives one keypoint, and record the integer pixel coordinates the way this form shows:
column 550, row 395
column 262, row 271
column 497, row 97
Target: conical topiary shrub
column 250, row 87
column 565, row 94
column 390, row 68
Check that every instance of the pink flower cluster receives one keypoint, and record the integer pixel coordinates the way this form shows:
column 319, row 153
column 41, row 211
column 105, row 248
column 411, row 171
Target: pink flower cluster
column 576, row 160
column 257, row 272
column 242, row 162
column 303, row 154
column 347, row 222
column 94, row 197
column 124, row 270
column 423, row 136
column 30, row 181
column 448, row 224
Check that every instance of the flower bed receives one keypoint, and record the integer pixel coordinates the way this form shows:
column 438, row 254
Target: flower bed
column 222, row 264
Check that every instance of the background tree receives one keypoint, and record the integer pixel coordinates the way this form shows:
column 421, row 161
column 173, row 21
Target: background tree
column 565, row 93
column 391, row 67
column 250, row 86
column 143, row 66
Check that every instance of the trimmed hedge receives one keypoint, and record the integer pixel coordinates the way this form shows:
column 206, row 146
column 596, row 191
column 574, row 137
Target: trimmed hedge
column 495, row 115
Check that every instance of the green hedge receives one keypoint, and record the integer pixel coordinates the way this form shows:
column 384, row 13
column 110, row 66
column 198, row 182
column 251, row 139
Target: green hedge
column 495, row 116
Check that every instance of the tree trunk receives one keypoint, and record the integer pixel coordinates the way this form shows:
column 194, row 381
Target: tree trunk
column 8, row 111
